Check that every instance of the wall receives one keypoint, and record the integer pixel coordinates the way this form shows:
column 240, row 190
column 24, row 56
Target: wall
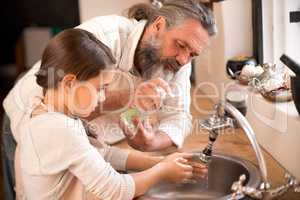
column 92, row 8
column 280, row 36
column 234, row 21
column 292, row 31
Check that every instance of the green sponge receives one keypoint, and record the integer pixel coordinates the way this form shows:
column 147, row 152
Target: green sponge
column 128, row 116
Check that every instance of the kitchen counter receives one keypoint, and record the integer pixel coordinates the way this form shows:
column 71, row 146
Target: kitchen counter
column 232, row 142
column 236, row 144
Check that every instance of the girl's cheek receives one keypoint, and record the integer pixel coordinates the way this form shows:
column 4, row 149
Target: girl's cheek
column 83, row 99
column 93, row 101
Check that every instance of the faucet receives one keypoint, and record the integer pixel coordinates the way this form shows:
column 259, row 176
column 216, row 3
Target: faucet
column 225, row 115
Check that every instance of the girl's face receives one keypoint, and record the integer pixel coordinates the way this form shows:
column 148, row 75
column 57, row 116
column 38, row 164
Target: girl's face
column 84, row 96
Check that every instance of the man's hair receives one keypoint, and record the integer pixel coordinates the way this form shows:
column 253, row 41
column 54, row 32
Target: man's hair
column 175, row 12
column 73, row 51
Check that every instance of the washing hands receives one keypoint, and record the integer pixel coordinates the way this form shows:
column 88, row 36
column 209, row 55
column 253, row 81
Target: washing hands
column 181, row 169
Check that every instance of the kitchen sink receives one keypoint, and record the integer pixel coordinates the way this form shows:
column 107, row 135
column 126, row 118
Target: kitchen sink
column 223, row 171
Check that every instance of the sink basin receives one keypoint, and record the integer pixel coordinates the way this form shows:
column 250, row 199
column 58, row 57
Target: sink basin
column 223, row 171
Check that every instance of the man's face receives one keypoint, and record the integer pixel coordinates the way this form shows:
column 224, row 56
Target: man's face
column 171, row 47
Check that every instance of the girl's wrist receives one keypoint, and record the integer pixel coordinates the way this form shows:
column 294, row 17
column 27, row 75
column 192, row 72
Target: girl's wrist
column 154, row 160
column 162, row 170
column 157, row 159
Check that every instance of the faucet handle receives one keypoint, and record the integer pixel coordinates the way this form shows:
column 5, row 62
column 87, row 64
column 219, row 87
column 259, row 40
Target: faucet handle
column 265, row 191
column 239, row 191
column 237, row 187
column 292, row 181
column 215, row 123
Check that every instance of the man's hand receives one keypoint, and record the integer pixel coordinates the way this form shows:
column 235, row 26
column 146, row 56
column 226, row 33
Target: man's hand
column 148, row 95
column 141, row 136
column 144, row 138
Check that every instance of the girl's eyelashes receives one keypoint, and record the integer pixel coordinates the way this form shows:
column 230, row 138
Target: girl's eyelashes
column 101, row 88
column 104, row 86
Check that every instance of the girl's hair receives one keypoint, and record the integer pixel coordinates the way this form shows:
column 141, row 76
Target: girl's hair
column 175, row 12
column 73, row 51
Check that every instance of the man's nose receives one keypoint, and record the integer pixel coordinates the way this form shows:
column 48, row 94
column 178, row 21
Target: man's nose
column 183, row 59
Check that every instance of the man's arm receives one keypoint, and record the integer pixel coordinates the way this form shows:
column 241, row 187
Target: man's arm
column 175, row 118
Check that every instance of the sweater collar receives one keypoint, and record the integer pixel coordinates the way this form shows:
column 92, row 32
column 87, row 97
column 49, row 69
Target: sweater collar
column 127, row 59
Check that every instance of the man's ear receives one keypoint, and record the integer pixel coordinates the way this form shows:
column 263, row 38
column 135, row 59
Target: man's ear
column 68, row 80
column 159, row 24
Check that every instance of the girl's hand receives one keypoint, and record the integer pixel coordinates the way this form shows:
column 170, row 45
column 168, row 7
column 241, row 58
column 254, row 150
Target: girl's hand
column 199, row 170
column 175, row 167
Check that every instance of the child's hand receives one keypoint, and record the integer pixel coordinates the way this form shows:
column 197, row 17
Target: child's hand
column 176, row 168
column 199, row 169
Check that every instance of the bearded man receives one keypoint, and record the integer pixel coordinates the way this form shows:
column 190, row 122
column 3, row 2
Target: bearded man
column 153, row 48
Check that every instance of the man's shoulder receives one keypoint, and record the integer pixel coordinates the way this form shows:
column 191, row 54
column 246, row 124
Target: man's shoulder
column 109, row 22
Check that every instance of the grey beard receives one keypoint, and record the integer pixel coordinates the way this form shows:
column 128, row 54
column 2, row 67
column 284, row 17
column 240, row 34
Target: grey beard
column 148, row 61
column 147, row 58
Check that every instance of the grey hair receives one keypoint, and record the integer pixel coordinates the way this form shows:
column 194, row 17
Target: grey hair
column 175, row 12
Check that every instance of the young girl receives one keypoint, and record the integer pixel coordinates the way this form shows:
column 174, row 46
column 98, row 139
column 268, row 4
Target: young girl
column 54, row 151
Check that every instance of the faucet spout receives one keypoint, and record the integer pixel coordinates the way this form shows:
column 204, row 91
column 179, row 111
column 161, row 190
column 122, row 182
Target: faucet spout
column 244, row 124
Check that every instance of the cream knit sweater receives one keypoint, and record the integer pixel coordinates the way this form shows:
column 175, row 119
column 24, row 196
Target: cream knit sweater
column 54, row 149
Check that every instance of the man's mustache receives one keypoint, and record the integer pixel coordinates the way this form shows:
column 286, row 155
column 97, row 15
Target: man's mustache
column 171, row 64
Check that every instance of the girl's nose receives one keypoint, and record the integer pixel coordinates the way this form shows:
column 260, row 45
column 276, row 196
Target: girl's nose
column 101, row 95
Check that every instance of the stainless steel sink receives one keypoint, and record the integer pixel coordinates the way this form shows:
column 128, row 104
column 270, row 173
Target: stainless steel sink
column 223, row 171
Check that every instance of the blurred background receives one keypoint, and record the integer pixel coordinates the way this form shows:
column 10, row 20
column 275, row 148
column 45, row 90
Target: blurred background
column 27, row 25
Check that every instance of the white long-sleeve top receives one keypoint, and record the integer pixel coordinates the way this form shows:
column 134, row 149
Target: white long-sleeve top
column 54, row 149
column 121, row 35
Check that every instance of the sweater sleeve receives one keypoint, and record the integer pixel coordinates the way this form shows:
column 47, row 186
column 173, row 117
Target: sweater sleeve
column 115, row 156
column 64, row 145
column 175, row 118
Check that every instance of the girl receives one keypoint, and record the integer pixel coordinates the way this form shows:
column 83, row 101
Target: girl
column 54, row 152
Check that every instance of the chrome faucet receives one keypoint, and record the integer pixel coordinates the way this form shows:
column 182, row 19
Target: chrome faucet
column 227, row 116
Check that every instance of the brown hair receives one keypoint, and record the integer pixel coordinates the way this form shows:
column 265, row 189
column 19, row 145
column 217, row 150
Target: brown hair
column 175, row 12
column 73, row 51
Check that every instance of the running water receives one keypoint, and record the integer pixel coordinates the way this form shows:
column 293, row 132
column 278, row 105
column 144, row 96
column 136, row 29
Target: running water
column 203, row 182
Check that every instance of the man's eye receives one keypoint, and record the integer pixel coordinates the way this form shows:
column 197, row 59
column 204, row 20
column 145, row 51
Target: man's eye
column 180, row 45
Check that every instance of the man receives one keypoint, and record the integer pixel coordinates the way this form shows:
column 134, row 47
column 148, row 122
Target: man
column 151, row 43
column 156, row 42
